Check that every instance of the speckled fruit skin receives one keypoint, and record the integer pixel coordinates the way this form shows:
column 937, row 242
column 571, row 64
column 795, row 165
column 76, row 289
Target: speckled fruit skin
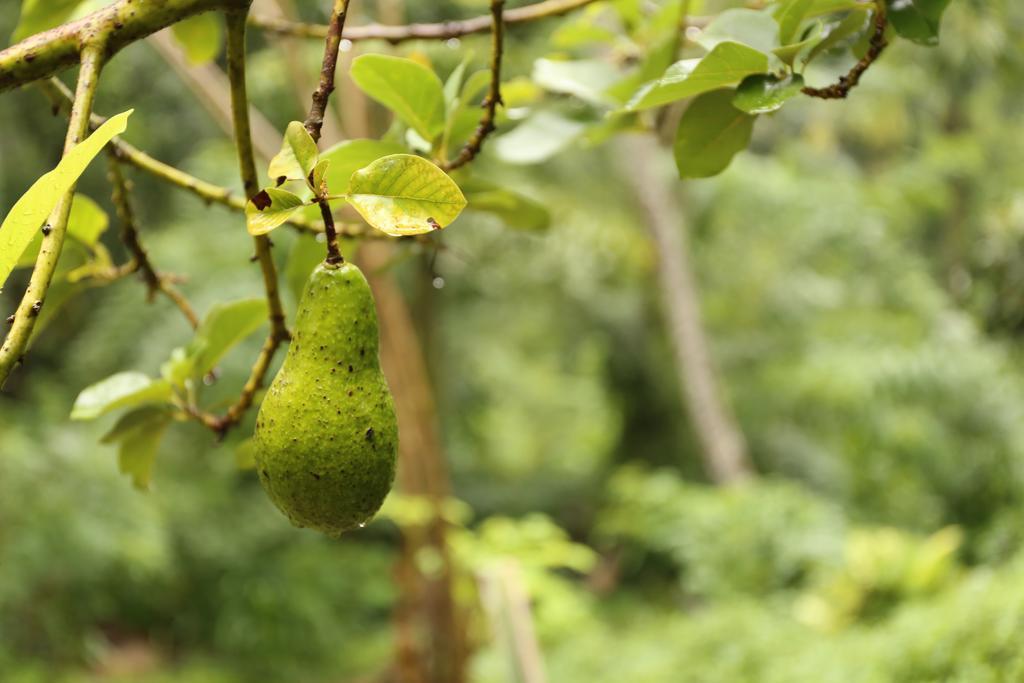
column 326, row 435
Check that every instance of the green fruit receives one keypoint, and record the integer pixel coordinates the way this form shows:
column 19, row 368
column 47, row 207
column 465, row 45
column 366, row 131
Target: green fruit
column 326, row 435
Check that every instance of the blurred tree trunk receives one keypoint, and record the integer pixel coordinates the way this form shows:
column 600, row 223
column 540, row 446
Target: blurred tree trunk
column 431, row 630
column 722, row 445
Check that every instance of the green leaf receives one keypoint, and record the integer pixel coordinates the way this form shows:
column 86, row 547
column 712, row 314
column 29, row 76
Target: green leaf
column 453, row 84
column 790, row 53
column 408, row 88
column 515, row 210
column 790, row 14
column 87, row 220
column 200, row 37
column 139, row 433
column 761, row 94
column 278, row 206
column 917, row 20
column 711, row 132
column 586, row 79
column 86, row 223
column 820, row 7
column 29, row 212
column 131, row 421
column 578, row 34
column 754, row 28
column 476, row 85
column 297, row 157
column 317, row 181
column 224, row 327
column 653, row 65
column 727, row 64
column 40, row 15
column 853, row 23
column 538, row 138
column 177, row 370
column 123, row 390
column 351, row 155
column 403, row 194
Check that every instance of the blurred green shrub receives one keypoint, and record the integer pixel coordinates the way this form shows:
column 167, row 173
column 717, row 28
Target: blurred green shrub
column 748, row 539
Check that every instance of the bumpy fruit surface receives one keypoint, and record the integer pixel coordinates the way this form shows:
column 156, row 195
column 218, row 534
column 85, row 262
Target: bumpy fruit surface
column 326, row 434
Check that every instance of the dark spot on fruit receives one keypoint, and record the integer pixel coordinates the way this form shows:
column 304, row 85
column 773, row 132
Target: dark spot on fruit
column 315, row 476
column 369, row 434
column 351, row 369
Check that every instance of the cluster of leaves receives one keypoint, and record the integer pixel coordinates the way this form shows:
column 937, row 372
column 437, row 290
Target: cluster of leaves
column 752, row 62
column 399, row 194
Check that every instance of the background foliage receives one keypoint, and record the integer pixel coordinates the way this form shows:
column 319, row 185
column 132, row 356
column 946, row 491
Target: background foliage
column 862, row 283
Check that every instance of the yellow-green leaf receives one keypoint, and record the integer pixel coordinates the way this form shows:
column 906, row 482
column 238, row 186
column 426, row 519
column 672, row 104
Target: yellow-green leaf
column 297, row 157
column 351, row 155
column 123, row 390
column 85, row 225
column 39, row 15
column 223, row 327
column 269, row 209
column 402, row 194
column 726, row 65
column 29, row 212
column 408, row 88
column 318, row 178
column 199, row 36
column 139, row 433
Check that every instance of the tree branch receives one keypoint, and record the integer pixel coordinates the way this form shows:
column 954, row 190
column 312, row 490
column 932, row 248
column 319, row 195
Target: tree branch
column 56, row 225
column 121, row 23
column 493, row 99
column 155, row 282
column 250, row 180
column 841, row 89
column 315, row 120
column 439, row 31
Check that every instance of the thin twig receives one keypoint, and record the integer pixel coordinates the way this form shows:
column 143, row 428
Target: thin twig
column 440, row 31
column 333, row 251
column 250, row 180
column 842, row 87
column 493, row 98
column 56, row 225
column 315, row 120
column 155, row 282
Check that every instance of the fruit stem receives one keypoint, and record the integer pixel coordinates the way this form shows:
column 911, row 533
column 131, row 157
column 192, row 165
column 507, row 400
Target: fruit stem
column 334, row 256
